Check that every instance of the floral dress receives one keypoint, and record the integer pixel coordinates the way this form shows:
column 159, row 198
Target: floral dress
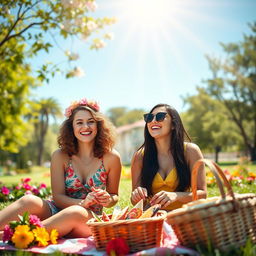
column 76, row 189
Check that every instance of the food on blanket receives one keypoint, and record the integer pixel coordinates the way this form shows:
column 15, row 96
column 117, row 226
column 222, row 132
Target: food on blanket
column 136, row 211
column 105, row 217
column 96, row 217
column 151, row 211
column 122, row 215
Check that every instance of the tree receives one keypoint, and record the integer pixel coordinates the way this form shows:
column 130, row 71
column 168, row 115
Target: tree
column 233, row 84
column 114, row 113
column 42, row 111
column 29, row 27
column 121, row 115
column 208, row 124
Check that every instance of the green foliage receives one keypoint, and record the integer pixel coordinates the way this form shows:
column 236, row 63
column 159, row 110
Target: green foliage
column 207, row 122
column 233, row 84
column 122, row 116
column 225, row 110
column 30, row 27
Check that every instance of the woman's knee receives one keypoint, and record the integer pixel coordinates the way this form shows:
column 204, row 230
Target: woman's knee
column 30, row 201
column 77, row 211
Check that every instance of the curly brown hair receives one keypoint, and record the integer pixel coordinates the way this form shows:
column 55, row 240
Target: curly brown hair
column 104, row 140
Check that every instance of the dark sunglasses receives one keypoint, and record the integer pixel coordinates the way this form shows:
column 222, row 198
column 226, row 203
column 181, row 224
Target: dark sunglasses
column 160, row 116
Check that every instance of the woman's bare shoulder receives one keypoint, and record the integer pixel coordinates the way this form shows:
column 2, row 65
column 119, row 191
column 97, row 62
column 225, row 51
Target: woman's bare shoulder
column 112, row 155
column 59, row 155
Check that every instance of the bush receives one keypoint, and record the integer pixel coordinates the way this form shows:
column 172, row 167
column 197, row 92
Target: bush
column 16, row 191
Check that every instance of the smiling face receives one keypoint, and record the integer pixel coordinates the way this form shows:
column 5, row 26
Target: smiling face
column 160, row 129
column 84, row 126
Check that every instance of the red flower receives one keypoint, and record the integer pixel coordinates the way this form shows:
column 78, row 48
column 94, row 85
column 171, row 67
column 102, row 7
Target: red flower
column 117, row 247
column 103, row 177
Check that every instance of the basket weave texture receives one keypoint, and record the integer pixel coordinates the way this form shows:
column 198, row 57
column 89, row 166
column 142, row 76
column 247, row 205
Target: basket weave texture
column 140, row 234
column 226, row 222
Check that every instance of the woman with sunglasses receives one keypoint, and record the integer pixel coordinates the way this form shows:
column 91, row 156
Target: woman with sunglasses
column 161, row 168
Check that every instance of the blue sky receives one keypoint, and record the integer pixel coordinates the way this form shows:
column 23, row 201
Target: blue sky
column 157, row 55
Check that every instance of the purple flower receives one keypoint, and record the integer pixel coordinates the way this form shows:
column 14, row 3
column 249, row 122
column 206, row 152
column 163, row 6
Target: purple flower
column 8, row 232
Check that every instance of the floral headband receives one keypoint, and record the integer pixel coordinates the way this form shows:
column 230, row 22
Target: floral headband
column 83, row 102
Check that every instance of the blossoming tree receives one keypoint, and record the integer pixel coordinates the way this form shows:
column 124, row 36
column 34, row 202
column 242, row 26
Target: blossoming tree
column 29, row 27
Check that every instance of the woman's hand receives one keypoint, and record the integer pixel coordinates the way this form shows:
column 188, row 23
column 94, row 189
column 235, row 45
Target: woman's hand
column 164, row 198
column 102, row 196
column 89, row 200
column 138, row 194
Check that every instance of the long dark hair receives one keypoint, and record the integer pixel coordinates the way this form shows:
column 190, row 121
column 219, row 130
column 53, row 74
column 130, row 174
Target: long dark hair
column 150, row 164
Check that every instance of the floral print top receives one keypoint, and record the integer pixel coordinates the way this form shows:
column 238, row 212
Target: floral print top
column 76, row 189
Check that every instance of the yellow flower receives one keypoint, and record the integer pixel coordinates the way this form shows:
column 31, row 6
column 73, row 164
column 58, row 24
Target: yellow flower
column 22, row 237
column 54, row 236
column 42, row 236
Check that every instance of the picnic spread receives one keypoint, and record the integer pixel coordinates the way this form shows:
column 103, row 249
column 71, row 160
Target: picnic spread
column 225, row 222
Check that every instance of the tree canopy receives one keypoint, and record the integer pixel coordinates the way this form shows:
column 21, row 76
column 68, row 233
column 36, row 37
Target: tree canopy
column 29, row 27
column 233, row 86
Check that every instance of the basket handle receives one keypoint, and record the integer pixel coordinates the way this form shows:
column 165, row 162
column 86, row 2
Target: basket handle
column 217, row 172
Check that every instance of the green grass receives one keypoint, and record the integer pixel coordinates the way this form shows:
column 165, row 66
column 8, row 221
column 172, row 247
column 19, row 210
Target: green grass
column 37, row 175
column 40, row 175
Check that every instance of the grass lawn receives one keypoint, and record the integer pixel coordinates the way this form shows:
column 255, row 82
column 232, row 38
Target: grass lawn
column 41, row 175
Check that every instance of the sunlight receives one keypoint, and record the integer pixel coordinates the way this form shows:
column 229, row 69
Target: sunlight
column 148, row 14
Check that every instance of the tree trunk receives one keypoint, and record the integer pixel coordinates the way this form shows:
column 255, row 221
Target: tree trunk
column 253, row 154
column 217, row 151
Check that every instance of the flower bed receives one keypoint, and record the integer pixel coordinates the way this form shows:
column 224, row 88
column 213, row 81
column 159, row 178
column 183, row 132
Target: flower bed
column 14, row 192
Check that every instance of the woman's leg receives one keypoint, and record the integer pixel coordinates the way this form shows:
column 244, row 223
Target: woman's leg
column 30, row 203
column 70, row 222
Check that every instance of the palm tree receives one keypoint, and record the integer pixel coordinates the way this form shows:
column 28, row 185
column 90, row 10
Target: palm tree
column 44, row 108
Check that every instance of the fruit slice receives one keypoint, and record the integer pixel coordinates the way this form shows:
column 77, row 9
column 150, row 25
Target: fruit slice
column 151, row 211
column 105, row 217
column 122, row 215
column 136, row 211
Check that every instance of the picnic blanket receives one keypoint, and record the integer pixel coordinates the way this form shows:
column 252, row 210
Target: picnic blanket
column 86, row 246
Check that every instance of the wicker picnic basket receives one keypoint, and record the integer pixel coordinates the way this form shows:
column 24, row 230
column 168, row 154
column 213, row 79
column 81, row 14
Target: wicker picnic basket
column 225, row 221
column 140, row 234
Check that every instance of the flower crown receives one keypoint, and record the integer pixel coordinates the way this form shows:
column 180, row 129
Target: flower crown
column 83, row 102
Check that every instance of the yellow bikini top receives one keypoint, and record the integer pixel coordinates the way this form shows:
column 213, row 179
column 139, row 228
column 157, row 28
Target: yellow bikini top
column 168, row 184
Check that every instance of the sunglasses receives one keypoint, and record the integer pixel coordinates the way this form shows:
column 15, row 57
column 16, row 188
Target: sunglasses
column 160, row 116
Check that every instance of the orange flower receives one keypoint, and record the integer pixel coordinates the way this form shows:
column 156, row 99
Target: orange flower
column 22, row 236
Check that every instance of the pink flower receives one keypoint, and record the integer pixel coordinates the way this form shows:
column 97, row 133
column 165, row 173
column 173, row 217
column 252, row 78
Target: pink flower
column 35, row 191
column 5, row 190
column 34, row 220
column 26, row 180
column 26, row 186
column 83, row 102
column 8, row 232
column 42, row 185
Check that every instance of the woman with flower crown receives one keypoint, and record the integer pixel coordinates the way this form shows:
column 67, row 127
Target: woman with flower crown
column 85, row 174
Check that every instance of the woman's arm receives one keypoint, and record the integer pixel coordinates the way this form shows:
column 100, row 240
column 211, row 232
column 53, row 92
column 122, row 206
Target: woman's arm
column 193, row 154
column 113, row 166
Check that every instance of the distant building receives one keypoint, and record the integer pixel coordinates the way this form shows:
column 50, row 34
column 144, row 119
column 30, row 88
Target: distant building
column 130, row 138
